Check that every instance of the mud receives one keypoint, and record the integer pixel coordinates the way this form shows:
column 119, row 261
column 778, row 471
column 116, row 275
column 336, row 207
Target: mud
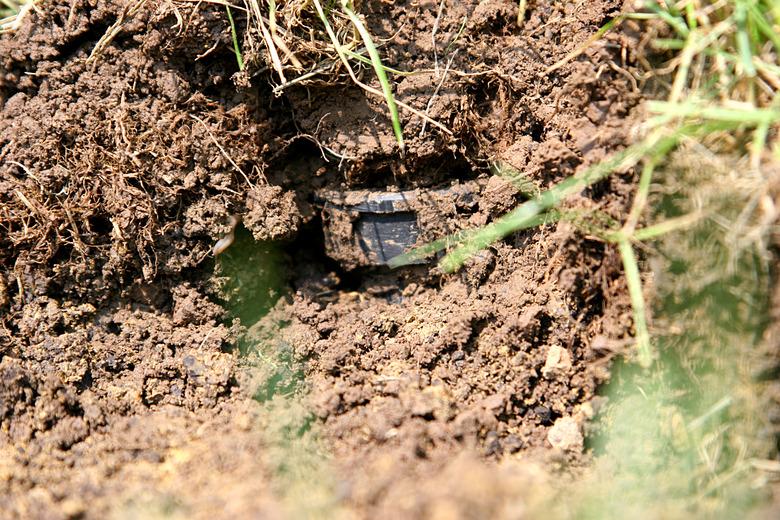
column 129, row 383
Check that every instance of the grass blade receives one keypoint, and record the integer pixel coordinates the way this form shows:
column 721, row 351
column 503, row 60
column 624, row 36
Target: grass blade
column 524, row 214
column 743, row 39
column 693, row 109
column 234, row 35
column 674, row 224
column 634, row 281
column 537, row 211
column 424, row 251
column 357, row 56
column 763, row 25
column 582, row 48
column 676, row 22
column 340, row 50
column 379, row 69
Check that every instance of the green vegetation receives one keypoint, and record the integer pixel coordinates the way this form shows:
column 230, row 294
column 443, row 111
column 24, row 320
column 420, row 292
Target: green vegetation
column 253, row 284
column 234, row 36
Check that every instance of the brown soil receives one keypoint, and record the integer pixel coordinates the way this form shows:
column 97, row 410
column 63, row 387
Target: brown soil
column 124, row 386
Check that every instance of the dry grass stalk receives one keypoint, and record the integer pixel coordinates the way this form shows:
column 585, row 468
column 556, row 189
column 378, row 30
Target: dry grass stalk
column 128, row 12
column 18, row 10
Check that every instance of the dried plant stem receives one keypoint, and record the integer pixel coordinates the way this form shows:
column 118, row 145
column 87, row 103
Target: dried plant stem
column 269, row 42
column 129, row 10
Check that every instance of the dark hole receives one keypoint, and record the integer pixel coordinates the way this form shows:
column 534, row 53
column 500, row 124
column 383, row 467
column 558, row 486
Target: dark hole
column 100, row 225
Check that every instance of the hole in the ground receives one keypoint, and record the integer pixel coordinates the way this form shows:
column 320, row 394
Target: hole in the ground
column 314, row 270
column 255, row 274
column 99, row 225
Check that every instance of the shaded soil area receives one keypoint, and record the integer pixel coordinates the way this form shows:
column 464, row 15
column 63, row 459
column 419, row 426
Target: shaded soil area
column 127, row 388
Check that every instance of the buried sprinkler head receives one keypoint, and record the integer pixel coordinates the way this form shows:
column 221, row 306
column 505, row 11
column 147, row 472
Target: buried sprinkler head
column 366, row 228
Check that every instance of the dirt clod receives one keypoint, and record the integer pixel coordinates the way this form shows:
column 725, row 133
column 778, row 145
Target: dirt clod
column 565, row 434
column 271, row 213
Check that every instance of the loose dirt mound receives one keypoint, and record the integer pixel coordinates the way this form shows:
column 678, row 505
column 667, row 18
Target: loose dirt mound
column 119, row 368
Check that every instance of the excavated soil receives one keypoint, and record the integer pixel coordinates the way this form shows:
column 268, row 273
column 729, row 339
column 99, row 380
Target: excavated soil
column 140, row 375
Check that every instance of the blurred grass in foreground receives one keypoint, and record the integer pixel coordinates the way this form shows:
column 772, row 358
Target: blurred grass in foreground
column 691, row 435
column 12, row 12
column 255, row 288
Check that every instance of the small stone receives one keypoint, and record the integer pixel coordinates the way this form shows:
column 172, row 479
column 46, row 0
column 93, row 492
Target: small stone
column 492, row 444
column 493, row 402
column 565, row 434
column 513, row 443
column 543, row 413
column 558, row 362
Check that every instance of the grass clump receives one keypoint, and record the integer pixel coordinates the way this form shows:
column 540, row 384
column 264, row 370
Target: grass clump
column 320, row 43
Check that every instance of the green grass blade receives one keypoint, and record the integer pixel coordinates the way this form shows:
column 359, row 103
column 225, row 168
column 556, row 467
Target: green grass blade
column 761, row 133
column 662, row 228
column 773, row 7
column 536, row 211
column 697, row 110
column 763, row 25
column 677, row 23
column 524, row 214
column 587, row 43
column 634, row 281
column 424, row 251
column 668, row 44
column 420, row 253
column 690, row 15
column 379, row 69
column 367, row 61
column 642, row 194
column 458, row 34
column 743, row 39
column 234, row 35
